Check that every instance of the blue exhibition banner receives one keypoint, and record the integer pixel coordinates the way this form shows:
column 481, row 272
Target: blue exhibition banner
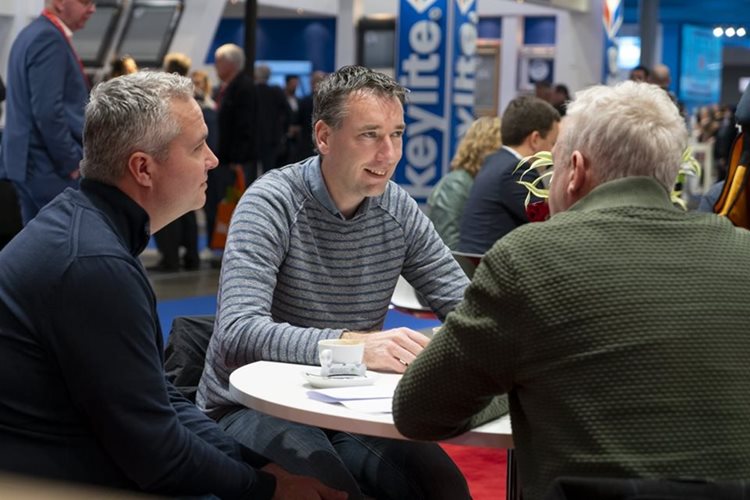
column 701, row 63
column 436, row 61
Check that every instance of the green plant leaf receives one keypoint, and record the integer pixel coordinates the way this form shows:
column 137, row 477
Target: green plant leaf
column 689, row 166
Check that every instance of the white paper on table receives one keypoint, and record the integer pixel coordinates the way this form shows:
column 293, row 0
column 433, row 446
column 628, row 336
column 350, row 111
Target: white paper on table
column 382, row 405
column 341, row 394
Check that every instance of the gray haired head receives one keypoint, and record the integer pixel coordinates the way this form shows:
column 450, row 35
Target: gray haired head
column 330, row 100
column 231, row 53
column 262, row 73
column 128, row 114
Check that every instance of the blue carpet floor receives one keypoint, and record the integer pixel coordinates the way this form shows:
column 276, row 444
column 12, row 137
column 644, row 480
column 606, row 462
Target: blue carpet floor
column 195, row 306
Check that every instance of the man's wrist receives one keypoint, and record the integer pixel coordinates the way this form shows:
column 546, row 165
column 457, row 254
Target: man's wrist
column 347, row 335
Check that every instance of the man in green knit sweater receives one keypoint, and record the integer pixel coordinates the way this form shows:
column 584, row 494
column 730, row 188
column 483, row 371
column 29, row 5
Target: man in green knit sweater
column 618, row 328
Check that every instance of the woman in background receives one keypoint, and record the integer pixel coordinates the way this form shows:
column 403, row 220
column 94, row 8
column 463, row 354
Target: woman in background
column 124, row 65
column 446, row 203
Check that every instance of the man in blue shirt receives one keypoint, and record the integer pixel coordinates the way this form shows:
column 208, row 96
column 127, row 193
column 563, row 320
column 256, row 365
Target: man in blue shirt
column 84, row 393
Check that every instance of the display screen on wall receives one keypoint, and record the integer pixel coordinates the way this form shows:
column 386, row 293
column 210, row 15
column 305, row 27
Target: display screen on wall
column 92, row 42
column 376, row 47
column 700, row 76
column 281, row 69
column 628, row 52
column 149, row 30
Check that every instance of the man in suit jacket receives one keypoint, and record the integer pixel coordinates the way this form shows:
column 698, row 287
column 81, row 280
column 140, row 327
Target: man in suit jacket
column 274, row 117
column 496, row 202
column 236, row 103
column 47, row 92
column 305, row 147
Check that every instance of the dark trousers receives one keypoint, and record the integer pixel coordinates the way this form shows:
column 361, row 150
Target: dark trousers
column 180, row 232
column 219, row 180
column 360, row 465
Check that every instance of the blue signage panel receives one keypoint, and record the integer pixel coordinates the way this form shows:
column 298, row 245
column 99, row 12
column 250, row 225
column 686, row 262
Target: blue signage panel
column 463, row 73
column 700, row 74
column 436, row 62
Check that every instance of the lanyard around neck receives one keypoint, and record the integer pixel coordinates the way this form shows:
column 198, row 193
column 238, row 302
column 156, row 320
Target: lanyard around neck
column 57, row 24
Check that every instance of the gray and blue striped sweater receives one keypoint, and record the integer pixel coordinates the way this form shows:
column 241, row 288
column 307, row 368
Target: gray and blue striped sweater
column 295, row 272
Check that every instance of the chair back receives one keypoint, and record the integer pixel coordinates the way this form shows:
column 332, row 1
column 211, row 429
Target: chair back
column 467, row 261
column 185, row 353
column 580, row 488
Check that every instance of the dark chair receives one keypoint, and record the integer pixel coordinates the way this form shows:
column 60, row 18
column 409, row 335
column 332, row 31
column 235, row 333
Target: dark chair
column 185, row 353
column 467, row 261
column 579, row 488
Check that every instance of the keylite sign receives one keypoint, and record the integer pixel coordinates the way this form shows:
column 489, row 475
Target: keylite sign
column 436, row 61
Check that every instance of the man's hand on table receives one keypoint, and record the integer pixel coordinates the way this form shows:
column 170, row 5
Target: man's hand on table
column 290, row 485
column 391, row 350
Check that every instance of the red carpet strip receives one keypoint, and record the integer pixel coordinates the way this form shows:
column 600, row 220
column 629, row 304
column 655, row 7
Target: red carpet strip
column 483, row 468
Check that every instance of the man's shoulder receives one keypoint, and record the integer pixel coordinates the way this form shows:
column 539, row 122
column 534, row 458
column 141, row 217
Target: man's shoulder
column 241, row 83
column 65, row 230
column 399, row 204
column 497, row 165
column 289, row 178
column 40, row 30
column 281, row 185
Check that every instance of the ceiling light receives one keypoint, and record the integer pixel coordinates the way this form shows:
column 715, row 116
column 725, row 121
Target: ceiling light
column 729, row 32
column 718, row 31
column 741, row 32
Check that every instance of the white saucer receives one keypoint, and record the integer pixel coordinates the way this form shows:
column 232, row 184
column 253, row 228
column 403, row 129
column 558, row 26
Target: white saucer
column 312, row 375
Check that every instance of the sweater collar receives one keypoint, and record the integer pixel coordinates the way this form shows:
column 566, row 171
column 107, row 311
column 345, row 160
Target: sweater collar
column 129, row 219
column 317, row 185
column 626, row 192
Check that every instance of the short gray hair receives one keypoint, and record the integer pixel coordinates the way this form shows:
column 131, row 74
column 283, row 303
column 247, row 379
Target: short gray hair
column 262, row 73
column 329, row 102
column 631, row 129
column 231, row 53
column 128, row 114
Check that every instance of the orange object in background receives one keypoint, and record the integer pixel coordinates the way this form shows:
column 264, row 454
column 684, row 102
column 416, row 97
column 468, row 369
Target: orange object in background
column 225, row 209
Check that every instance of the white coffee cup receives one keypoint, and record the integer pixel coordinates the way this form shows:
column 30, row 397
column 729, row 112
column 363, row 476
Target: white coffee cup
column 340, row 351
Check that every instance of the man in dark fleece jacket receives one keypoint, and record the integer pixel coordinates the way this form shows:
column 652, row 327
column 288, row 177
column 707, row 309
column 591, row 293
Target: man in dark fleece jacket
column 84, row 397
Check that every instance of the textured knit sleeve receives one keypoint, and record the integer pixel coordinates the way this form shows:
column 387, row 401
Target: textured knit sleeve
column 258, row 239
column 429, row 265
column 450, row 387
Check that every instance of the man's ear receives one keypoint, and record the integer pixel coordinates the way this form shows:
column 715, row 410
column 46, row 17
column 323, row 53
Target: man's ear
column 56, row 6
column 140, row 168
column 322, row 135
column 533, row 140
column 580, row 175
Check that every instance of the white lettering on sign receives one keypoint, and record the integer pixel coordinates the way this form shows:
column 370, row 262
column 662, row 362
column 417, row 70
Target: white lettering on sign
column 420, row 73
column 464, row 79
column 422, row 151
column 425, row 36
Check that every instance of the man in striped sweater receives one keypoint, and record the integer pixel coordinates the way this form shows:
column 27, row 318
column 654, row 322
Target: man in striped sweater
column 314, row 252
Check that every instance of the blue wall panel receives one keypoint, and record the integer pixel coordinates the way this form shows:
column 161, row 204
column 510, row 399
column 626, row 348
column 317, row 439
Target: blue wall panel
column 490, row 27
column 539, row 31
column 670, row 53
column 311, row 40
